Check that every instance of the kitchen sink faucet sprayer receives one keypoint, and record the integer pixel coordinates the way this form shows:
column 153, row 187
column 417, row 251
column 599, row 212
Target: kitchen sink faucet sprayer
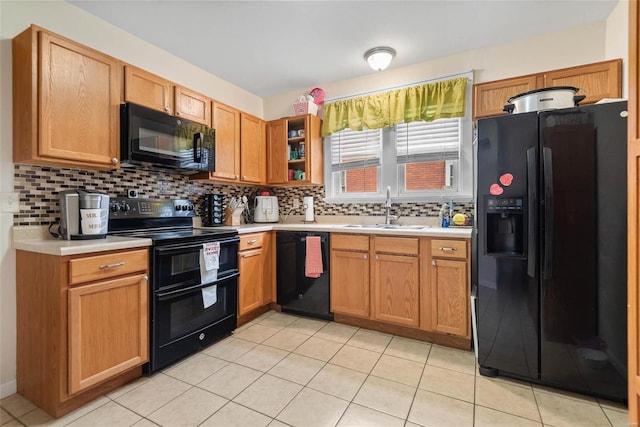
column 387, row 209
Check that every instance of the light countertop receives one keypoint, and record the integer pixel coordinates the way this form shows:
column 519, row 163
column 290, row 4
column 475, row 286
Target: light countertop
column 37, row 239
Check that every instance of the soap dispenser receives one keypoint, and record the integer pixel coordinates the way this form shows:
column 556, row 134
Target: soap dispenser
column 444, row 216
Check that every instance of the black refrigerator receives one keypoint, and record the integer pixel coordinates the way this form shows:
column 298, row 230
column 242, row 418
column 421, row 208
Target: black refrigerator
column 551, row 248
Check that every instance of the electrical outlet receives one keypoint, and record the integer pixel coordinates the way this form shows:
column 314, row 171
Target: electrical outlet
column 9, row 202
column 296, row 203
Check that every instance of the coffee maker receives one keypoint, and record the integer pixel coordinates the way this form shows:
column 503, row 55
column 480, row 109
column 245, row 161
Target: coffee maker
column 84, row 215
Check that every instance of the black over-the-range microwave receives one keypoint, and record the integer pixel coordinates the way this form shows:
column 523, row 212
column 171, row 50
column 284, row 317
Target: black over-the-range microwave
column 150, row 136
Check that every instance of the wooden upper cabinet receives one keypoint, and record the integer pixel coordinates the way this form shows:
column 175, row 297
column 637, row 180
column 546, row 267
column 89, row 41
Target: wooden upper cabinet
column 490, row 98
column 226, row 121
column 277, row 152
column 192, row 106
column 279, row 144
column 66, row 100
column 252, row 149
column 595, row 81
column 146, row 89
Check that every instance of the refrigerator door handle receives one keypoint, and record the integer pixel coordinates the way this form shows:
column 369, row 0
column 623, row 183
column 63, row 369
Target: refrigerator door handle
column 532, row 213
column 548, row 213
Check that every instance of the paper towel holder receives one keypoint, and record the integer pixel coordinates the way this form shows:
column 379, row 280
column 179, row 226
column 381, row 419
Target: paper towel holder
column 307, row 205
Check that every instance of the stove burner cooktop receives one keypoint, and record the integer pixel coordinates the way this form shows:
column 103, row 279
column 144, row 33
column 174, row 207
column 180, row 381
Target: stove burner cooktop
column 161, row 220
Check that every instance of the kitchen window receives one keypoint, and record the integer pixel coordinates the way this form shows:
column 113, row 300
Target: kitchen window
column 421, row 161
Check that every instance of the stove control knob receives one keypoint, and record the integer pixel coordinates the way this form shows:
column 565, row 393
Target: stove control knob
column 125, row 207
column 114, row 208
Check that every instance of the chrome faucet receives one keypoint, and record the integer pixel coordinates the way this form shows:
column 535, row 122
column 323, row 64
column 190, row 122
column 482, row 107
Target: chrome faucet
column 387, row 209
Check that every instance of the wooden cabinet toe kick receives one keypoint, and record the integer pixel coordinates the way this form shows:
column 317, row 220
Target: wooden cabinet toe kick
column 416, row 334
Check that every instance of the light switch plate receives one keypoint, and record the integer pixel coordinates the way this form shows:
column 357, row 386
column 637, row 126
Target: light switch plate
column 296, row 203
column 9, row 202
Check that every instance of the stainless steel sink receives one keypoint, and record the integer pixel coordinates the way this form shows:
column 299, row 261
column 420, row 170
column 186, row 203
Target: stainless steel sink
column 388, row 226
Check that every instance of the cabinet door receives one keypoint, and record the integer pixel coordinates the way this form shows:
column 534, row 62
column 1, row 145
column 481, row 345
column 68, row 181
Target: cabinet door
column 252, row 149
column 78, row 103
column 108, row 329
column 148, row 90
column 395, row 283
column 350, row 283
column 596, row 81
column 250, row 283
column 277, row 152
column 489, row 98
column 226, row 121
column 193, row 106
column 449, row 297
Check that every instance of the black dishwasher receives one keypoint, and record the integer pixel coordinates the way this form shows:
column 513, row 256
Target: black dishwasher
column 297, row 293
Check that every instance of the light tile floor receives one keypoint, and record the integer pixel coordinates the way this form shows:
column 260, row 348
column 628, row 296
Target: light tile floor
column 281, row 370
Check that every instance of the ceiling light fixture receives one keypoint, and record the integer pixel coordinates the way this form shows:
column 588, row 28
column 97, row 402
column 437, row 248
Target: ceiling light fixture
column 380, row 57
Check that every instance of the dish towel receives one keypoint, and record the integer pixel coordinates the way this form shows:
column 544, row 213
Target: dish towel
column 209, row 264
column 313, row 262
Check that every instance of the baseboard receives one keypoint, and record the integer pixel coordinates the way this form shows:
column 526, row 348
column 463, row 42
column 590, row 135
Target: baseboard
column 8, row 388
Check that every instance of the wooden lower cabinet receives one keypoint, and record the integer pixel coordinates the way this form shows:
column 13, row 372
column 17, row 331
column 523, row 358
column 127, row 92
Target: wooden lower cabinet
column 78, row 340
column 396, row 280
column 255, row 263
column 446, row 299
column 395, row 289
column 350, row 275
column 419, row 284
column 108, row 329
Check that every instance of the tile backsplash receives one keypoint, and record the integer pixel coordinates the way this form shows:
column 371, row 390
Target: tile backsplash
column 38, row 188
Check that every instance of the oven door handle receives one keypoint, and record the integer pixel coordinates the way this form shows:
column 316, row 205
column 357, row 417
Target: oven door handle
column 163, row 296
column 183, row 248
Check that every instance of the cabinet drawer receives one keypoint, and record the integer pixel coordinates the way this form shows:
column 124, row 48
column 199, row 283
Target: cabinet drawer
column 449, row 248
column 396, row 245
column 98, row 267
column 250, row 241
column 350, row 242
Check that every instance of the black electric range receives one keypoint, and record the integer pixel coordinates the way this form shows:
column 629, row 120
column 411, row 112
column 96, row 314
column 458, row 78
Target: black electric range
column 189, row 308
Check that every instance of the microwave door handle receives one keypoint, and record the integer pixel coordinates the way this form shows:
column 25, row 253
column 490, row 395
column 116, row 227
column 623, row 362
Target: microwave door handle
column 197, row 147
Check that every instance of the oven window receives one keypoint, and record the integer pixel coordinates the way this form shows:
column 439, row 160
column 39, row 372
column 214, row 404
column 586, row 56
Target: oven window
column 185, row 314
column 185, row 263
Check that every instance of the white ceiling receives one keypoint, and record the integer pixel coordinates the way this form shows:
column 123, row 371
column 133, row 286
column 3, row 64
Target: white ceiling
column 273, row 47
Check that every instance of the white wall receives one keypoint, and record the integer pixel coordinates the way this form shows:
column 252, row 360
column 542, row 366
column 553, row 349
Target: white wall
column 74, row 23
column 567, row 48
column 617, row 40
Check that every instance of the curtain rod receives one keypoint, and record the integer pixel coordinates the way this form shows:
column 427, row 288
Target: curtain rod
column 468, row 74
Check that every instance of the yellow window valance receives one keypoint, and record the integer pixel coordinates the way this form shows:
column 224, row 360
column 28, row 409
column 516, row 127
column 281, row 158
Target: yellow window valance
column 428, row 102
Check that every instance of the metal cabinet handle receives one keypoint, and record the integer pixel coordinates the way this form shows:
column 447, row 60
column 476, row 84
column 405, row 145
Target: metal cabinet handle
column 177, row 113
column 145, row 278
column 365, row 256
column 117, row 264
column 167, row 109
column 447, row 249
column 115, row 160
column 244, row 177
column 251, row 242
column 433, row 262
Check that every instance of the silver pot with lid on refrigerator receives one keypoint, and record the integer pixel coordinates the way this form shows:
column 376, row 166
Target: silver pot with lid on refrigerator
column 549, row 98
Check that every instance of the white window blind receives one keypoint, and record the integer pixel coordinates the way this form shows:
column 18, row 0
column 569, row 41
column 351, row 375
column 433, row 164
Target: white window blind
column 355, row 149
column 428, row 141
